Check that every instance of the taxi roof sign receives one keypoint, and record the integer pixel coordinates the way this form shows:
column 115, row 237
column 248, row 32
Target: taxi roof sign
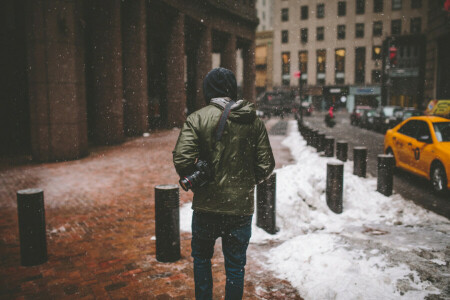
column 438, row 108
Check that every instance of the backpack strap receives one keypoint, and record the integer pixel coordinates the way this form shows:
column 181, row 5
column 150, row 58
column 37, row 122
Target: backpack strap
column 223, row 120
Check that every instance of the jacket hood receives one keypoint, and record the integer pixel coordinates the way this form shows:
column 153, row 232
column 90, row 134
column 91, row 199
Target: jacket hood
column 241, row 112
column 219, row 82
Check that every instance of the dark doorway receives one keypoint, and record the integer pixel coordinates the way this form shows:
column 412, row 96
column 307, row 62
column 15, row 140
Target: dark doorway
column 14, row 102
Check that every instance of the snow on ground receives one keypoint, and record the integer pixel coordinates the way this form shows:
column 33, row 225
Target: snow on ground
column 378, row 248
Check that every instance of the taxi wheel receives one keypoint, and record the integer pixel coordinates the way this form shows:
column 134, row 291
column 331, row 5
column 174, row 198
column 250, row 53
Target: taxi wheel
column 438, row 178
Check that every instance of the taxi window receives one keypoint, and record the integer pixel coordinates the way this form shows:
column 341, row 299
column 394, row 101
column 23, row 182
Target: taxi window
column 442, row 130
column 409, row 128
column 422, row 129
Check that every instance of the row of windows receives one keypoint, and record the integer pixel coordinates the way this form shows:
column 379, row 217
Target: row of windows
column 342, row 8
column 377, row 30
column 360, row 62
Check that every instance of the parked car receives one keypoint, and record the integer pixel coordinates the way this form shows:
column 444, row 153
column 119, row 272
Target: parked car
column 409, row 112
column 367, row 120
column 277, row 103
column 421, row 145
column 388, row 117
column 356, row 114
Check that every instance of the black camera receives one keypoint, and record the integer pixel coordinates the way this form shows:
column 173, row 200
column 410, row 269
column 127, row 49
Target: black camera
column 197, row 179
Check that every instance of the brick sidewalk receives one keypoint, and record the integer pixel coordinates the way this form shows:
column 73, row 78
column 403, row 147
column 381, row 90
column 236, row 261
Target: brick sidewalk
column 100, row 230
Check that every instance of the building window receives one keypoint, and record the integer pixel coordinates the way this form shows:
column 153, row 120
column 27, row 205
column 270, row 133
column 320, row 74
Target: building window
column 321, row 66
column 396, row 26
column 342, row 8
column 285, row 68
column 341, row 32
column 320, row 11
column 284, row 36
column 376, row 76
column 303, row 66
column 396, row 4
column 304, row 12
column 339, row 58
column 360, row 7
column 376, row 52
column 360, row 65
column 359, row 30
column 377, row 28
column 377, row 6
column 304, row 35
column 320, row 33
column 285, row 15
column 416, row 3
column 416, row 25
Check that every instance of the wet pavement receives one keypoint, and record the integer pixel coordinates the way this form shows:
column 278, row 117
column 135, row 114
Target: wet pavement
column 100, row 228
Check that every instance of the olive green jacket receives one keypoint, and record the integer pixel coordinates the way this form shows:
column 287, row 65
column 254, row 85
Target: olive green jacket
column 240, row 160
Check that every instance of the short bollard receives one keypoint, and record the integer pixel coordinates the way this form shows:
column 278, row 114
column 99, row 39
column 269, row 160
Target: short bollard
column 341, row 150
column 335, row 186
column 385, row 180
column 308, row 136
column 320, row 142
column 265, row 207
column 31, row 213
column 315, row 138
column 329, row 146
column 167, row 222
column 360, row 161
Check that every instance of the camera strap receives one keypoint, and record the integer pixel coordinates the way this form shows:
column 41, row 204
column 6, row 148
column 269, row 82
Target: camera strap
column 223, row 120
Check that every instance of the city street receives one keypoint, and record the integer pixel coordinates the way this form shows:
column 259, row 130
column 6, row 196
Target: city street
column 409, row 186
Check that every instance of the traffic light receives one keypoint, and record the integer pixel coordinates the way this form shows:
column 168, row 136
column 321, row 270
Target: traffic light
column 393, row 56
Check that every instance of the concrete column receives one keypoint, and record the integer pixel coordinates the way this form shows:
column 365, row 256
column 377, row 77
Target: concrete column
column 228, row 58
column 176, row 93
column 56, row 83
column 134, row 33
column 204, row 64
column 249, row 72
column 106, row 76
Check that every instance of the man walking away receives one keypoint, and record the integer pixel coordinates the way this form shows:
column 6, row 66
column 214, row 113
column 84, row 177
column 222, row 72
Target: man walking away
column 238, row 155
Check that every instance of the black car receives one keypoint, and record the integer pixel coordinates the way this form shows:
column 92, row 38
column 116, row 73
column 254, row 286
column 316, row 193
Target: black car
column 277, row 103
column 409, row 112
column 388, row 117
column 367, row 119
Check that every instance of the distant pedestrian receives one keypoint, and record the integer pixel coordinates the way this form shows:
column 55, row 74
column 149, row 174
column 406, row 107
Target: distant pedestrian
column 222, row 152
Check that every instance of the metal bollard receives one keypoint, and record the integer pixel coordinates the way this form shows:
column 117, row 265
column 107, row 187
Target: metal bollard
column 341, row 150
column 167, row 222
column 335, row 186
column 315, row 138
column 360, row 161
column 385, row 179
column 320, row 142
column 329, row 146
column 266, row 208
column 308, row 136
column 31, row 213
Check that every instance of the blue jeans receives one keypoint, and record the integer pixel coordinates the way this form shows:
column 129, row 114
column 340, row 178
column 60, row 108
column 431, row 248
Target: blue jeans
column 235, row 232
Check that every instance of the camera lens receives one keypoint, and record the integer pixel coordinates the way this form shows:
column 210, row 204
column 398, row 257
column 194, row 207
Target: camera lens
column 185, row 184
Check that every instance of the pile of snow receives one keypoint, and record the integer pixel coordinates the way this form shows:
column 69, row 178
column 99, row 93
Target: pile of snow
column 376, row 249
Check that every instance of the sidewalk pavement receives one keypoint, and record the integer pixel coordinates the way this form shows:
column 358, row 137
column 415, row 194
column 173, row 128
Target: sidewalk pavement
column 101, row 226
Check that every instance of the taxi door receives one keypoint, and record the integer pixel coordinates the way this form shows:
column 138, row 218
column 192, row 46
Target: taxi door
column 423, row 149
column 404, row 143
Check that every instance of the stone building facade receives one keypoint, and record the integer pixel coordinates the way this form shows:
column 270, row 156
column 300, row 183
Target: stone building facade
column 337, row 45
column 76, row 73
column 437, row 74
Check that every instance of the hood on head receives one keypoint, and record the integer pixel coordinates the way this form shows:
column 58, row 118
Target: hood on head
column 219, row 82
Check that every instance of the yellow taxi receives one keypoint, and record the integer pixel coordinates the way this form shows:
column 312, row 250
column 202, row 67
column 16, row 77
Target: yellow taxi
column 421, row 145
